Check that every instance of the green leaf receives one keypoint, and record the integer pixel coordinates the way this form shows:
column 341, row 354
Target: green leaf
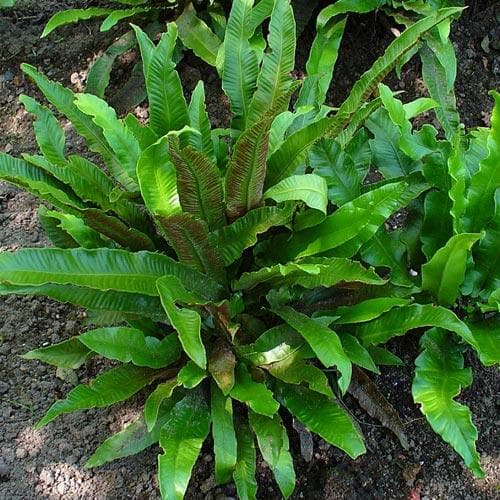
column 197, row 36
column 311, row 189
column 322, row 416
column 357, row 353
column 198, row 184
column 480, row 206
column 445, row 272
column 487, row 340
column 199, row 120
column 111, row 387
column 187, row 322
column 51, row 227
column 239, row 77
column 49, row 134
column 168, row 108
column 366, row 310
column 72, row 16
column 437, row 226
column 223, row 433
column 311, row 272
column 132, row 345
column 402, row 319
column 101, row 269
column 134, row 438
column 156, row 400
column 439, row 377
column 279, row 61
column 352, row 224
column 383, row 356
column 117, row 15
column 273, row 444
column 121, row 140
column 254, row 394
column 69, row 354
column 191, row 375
column 324, row 342
column 158, row 179
column 244, row 472
column 63, row 100
column 100, row 71
column 182, row 443
column 330, row 162
column 232, row 240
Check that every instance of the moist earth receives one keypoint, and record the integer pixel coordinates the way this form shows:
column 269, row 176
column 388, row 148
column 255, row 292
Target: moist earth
column 49, row 463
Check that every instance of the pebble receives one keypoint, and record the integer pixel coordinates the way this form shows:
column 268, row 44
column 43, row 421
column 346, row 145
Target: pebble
column 4, row 387
column 4, row 471
column 8, row 76
column 21, row 453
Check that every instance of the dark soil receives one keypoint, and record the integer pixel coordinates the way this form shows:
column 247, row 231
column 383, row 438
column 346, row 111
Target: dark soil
column 48, row 463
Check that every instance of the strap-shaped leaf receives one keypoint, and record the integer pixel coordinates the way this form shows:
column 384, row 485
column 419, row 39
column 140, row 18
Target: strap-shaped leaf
column 254, row 394
column 232, row 240
column 102, row 269
column 273, row 444
column 197, row 36
column 398, row 321
column 199, row 120
column 354, row 223
column 198, row 184
column 244, row 472
column 366, row 310
column 111, row 387
column 96, row 300
column 72, row 16
column 376, row 405
column 100, row 71
column 121, row 140
column 445, row 272
column 186, row 321
column 322, row 416
column 69, row 354
column 158, row 180
column 49, row 134
column 221, row 364
column 309, row 188
column 323, row 341
column 117, row 15
column 224, row 436
column 437, row 226
column 189, row 238
column 240, row 71
column 168, row 108
column 247, row 170
column 191, row 375
column 182, row 443
column 357, row 353
column 156, row 400
column 132, row 345
column 63, row 100
column 439, row 377
column 480, row 206
column 134, row 438
column 310, row 273
column 487, row 340
column 278, row 62
column 56, row 234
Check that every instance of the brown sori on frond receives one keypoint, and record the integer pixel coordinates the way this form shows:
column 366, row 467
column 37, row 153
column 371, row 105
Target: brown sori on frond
column 198, row 184
column 188, row 236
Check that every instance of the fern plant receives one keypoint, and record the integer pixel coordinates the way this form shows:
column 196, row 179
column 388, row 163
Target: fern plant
column 232, row 261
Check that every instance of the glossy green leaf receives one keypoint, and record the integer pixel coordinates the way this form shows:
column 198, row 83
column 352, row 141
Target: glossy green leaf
column 324, row 342
column 155, row 401
column 310, row 188
column 111, row 387
column 191, row 375
column 366, row 310
column 486, row 336
column 323, row 416
column 439, row 377
column 224, row 436
column 182, row 443
column 273, row 443
column 72, row 16
column 132, row 345
column 244, row 472
column 70, row 354
column 383, row 356
column 254, row 394
column 437, row 226
column 357, row 353
column 221, row 363
column 186, row 321
column 445, row 272
column 117, row 15
column 199, row 120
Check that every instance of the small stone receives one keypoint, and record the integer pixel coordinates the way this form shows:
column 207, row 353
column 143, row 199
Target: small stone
column 8, row 147
column 4, row 471
column 21, row 453
column 4, row 387
column 8, row 76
